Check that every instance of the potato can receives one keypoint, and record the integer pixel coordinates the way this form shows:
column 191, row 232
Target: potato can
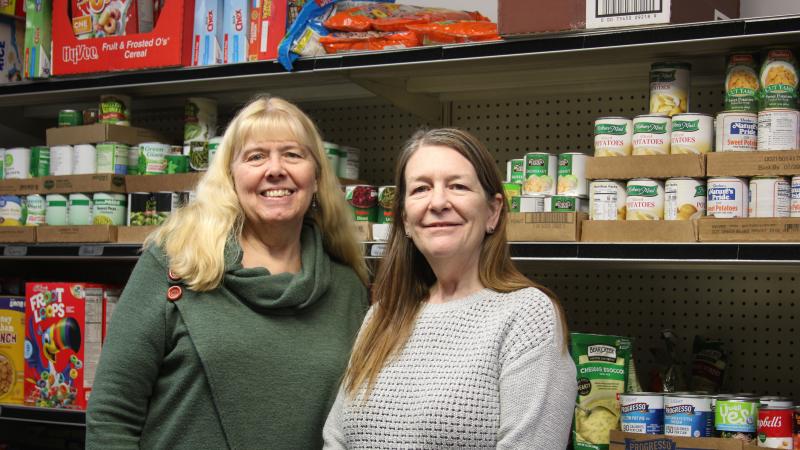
column 669, row 88
column 2, row 163
column 779, row 129
column 572, row 174
column 56, row 210
column 736, row 132
column 684, row 199
column 61, row 158
column 515, row 170
column 741, row 83
column 795, row 204
column 17, row 163
column 769, row 197
column 109, row 208
column 112, row 157
column 613, row 136
column 651, row 134
column 541, row 170
column 727, row 197
column 692, row 133
column 607, row 200
column 645, row 199
column 778, row 78
column 36, row 207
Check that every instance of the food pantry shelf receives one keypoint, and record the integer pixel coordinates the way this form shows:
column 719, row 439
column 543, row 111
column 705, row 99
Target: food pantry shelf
column 42, row 415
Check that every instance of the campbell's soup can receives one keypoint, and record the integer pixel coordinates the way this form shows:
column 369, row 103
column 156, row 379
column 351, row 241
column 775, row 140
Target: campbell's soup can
column 541, row 170
column 669, row 87
column 775, row 426
column 769, row 197
column 779, row 129
column 737, row 418
column 642, row 412
column 645, row 199
column 727, row 197
column 651, row 134
column 607, row 200
column 572, row 174
column 688, row 415
column 736, row 132
column 515, row 170
column 795, row 203
column 613, row 136
column 692, row 133
column 684, row 199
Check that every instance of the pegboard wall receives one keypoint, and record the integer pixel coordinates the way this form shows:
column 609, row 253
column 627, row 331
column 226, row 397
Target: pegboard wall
column 755, row 312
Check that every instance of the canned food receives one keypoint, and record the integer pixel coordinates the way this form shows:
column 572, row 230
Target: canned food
column 176, row 163
column 213, row 145
column 572, row 174
column 36, row 208
column 141, row 209
column 645, row 199
column 613, row 136
column 333, row 154
column 797, row 427
column 727, row 197
column 198, row 155
column 540, row 174
column 607, row 200
column 89, row 116
column 779, row 80
column 17, row 163
column 114, row 109
column 688, row 415
column 200, row 119
column 691, row 133
column 84, row 159
column 133, row 160
column 167, row 203
column 61, row 158
column 775, row 401
column 80, row 210
column 152, row 158
column 40, row 161
column 565, row 203
column 741, row 83
column 109, row 209
column 531, row 203
column 363, row 200
column 769, row 197
column 386, row 198
column 669, row 88
column 642, row 412
column 56, row 210
column 736, row 132
column 12, row 212
column 69, row 118
column 515, row 170
column 2, row 163
column 737, row 418
column 795, row 203
column 651, row 134
column 350, row 167
column 684, row 199
column 511, row 190
column 778, row 129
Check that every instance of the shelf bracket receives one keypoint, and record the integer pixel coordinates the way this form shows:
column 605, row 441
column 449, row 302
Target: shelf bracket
column 423, row 106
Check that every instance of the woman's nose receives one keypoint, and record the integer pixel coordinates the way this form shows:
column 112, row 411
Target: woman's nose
column 439, row 199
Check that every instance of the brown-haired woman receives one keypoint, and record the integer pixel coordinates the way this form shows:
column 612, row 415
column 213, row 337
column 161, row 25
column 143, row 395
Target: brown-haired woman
column 461, row 350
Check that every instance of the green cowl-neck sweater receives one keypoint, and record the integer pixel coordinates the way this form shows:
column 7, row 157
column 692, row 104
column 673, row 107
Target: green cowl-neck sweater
column 252, row 364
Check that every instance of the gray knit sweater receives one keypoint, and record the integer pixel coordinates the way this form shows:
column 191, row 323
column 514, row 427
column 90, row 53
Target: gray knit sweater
column 486, row 371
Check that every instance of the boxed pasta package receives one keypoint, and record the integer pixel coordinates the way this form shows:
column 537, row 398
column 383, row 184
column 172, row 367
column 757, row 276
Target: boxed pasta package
column 12, row 338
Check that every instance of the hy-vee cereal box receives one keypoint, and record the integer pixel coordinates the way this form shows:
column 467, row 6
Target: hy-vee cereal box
column 63, row 331
column 12, row 338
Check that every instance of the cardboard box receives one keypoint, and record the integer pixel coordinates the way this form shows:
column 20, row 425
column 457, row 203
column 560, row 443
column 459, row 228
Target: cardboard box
column 21, row 187
column 363, row 230
column 656, row 166
column 634, row 441
column 13, row 235
column 77, row 234
column 101, row 132
column 545, row 16
column 62, row 353
column 545, row 226
column 97, row 182
column 639, row 231
column 748, row 164
column 133, row 235
column 179, row 182
column 13, row 8
column 12, row 348
column 267, row 27
column 761, row 229
column 168, row 44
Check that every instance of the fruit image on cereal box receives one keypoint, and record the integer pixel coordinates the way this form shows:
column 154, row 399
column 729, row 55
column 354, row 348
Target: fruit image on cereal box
column 12, row 337
column 62, row 342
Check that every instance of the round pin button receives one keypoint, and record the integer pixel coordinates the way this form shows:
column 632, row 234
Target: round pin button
column 172, row 276
column 174, row 293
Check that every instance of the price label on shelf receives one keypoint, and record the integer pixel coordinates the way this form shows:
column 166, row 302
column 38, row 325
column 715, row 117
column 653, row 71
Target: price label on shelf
column 90, row 250
column 15, row 250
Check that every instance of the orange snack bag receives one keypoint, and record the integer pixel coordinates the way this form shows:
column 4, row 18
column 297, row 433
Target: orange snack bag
column 455, row 32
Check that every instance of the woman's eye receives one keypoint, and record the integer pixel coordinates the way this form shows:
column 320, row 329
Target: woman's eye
column 254, row 157
column 418, row 189
column 459, row 187
column 293, row 155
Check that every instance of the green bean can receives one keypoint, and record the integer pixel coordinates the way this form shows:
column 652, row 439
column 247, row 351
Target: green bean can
column 69, row 118
column 198, row 155
column 177, row 163
column 40, row 161
column 152, row 158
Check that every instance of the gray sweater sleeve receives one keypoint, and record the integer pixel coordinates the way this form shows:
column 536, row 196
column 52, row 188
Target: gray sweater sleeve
column 333, row 433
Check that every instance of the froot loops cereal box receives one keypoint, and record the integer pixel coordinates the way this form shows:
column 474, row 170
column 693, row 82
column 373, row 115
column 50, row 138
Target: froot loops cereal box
column 63, row 331
column 12, row 337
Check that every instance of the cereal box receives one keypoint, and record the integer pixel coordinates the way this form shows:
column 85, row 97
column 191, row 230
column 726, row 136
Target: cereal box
column 38, row 40
column 12, row 36
column 234, row 30
column 62, row 342
column 101, row 18
column 12, row 337
column 110, row 299
column 207, row 37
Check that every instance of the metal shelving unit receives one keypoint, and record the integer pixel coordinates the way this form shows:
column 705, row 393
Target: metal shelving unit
column 42, row 415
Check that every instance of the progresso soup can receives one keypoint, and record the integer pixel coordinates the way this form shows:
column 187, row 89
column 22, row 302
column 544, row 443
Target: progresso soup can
column 642, row 412
column 688, row 415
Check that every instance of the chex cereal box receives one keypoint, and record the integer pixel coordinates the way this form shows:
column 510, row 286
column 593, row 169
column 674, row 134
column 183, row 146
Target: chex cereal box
column 12, row 339
column 63, row 331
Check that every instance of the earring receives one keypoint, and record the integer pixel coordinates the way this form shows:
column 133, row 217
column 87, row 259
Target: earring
column 314, row 204
column 490, row 230
column 408, row 235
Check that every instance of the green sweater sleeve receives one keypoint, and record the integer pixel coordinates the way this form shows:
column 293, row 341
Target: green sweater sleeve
column 130, row 360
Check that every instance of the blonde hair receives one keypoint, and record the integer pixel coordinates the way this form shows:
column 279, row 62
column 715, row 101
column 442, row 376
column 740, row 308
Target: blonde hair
column 404, row 277
column 194, row 237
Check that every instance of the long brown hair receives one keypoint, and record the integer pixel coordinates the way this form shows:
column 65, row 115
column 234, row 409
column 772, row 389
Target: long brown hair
column 404, row 277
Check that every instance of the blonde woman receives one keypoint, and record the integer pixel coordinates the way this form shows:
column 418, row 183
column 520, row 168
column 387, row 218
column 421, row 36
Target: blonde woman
column 461, row 350
column 236, row 324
